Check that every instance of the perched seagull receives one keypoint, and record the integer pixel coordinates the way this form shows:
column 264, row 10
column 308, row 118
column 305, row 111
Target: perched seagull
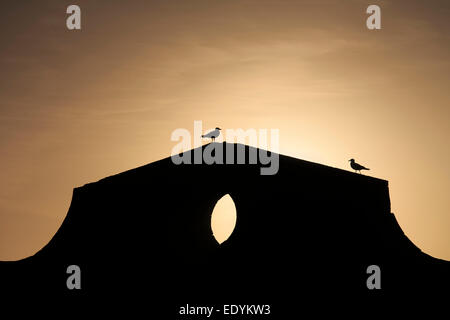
column 356, row 166
column 213, row 134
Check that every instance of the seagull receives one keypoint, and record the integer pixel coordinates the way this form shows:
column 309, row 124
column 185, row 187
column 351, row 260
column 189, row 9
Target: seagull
column 356, row 166
column 213, row 134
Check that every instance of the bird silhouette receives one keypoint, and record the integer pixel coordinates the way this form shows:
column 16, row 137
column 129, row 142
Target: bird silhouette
column 356, row 166
column 213, row 134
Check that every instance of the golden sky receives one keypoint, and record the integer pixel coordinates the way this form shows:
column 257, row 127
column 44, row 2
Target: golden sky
column 76, row 106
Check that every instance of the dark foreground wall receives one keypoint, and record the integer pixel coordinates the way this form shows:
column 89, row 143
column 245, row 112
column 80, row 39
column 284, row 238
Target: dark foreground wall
column 303, row 236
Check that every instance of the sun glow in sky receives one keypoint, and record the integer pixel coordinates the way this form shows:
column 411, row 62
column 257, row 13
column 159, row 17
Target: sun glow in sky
column 223, row 218
column 76, row 106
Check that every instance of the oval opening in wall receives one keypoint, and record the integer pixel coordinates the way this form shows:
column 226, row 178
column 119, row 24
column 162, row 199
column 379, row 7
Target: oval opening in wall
column 223, row 218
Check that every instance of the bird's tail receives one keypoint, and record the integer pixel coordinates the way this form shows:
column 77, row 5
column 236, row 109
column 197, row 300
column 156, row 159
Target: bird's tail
column 366, row 169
